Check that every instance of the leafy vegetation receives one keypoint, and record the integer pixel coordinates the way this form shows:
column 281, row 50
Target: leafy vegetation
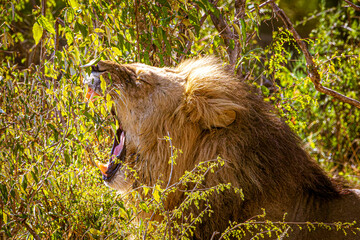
column 50, row 136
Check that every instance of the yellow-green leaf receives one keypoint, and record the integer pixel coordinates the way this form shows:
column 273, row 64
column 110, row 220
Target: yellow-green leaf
column 95, row 231
column 146, row 189
column 37, row 32
column 102, row 84
column 109, row 102
column 123, row 213
column 157, row 193
column 5, row 218
column 191, row 35
column 92, row 62
column 143, row 206
column 73, row 4
column 44, row 22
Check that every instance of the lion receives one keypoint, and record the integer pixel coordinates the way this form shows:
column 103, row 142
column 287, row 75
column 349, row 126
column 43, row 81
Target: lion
column 210, row 113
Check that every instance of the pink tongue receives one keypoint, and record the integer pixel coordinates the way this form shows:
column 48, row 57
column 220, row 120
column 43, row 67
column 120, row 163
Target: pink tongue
column 119, row 147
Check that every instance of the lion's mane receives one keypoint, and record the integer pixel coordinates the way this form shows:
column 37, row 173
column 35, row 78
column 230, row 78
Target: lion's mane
column 208, row 112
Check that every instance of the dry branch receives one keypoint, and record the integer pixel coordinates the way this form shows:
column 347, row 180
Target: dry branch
column 261, row 5
column 27, row 226
column 227, row 33
column 312, row 67
column 189, row 42
column 356, row 7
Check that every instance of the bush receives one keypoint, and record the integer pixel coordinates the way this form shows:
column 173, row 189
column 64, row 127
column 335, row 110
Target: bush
column 49, row 135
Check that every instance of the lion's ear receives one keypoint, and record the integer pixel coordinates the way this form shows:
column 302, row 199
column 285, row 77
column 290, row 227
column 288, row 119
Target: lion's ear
column 225, row 119
column 210, row 112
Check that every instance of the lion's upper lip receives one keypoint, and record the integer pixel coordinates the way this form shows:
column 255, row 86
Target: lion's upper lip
column 118, row 151
column 93, row 83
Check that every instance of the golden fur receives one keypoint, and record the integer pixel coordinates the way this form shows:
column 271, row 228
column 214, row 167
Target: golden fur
column 208, row 113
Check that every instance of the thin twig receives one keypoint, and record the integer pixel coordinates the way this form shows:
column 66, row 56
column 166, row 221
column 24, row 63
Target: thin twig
column 172, row 159
column 137, row 30
column 189, row 42
column 57, row 23
column 261, row 5
column 254, row 223
column 315, row 16
column 227, row 35
column 31, row 231
column 312, row 67
column 356, row 7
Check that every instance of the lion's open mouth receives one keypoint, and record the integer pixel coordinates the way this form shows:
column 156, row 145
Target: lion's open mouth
column 117, row 156
column 118, row 150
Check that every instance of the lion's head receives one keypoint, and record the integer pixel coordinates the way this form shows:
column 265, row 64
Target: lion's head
column 154, row 102
column 207, row 112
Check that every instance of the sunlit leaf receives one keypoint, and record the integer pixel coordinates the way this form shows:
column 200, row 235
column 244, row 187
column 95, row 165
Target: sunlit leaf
column 143, row 206
column 157, row 193
column 4, row 216
column 74, row 4
column 37, row 32
column 91, row 63
column 102, row 84
column 45, row 23
column 243, row 29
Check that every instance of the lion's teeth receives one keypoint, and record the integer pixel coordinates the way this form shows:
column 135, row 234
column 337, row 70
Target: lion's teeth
column 103, row 167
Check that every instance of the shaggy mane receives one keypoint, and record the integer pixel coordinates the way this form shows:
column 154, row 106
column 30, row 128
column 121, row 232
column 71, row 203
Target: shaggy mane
column 210, row 113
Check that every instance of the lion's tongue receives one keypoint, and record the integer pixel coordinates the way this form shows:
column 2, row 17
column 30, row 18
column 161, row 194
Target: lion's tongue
column 115, row 152
column 119, row 147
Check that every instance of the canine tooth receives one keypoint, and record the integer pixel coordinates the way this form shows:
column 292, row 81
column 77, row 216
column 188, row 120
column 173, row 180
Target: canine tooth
column 103, row 167
column 90, row 94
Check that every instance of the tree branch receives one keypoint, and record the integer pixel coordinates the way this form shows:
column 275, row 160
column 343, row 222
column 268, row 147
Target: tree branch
column 356, row 7
column 136, row 4
column 226, row 32
column 312, row 67
column 189, row 42
column 261, row 5
column 240, row 9
column 31, row 231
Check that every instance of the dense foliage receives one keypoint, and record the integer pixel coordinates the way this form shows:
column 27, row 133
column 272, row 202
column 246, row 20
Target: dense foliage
column 50, row 136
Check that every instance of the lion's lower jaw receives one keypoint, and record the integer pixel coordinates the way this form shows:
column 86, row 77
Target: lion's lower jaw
column 120, row 183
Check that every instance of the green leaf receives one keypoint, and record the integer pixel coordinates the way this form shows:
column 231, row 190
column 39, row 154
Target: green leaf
column 67, row 159
column 73, row 4
column 82, row 28
column 243, row 29
column 5, row 218
column 44, row 22
column 24, row 182
column 109, row 102
column 143, row 206
column 265, row 90
column 69, row 15
column 102, row 84
column 95, row 232
column 69, row 37
column 146, row 190
column 34, row 176
column 92, row 62
column 37, row 32
column 157, row 193
column 4, row 192
column 232, row 43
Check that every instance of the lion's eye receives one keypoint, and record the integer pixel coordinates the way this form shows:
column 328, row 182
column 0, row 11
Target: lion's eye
column 139, row 81
column 95, row 68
